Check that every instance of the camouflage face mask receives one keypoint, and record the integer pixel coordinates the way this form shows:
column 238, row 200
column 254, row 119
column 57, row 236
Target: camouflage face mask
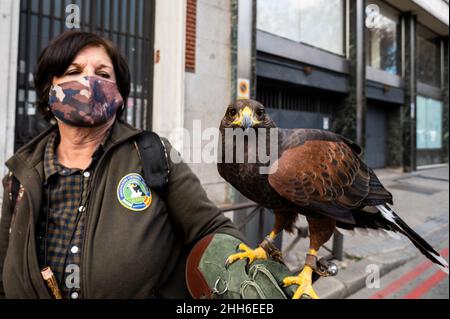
column 88, row 102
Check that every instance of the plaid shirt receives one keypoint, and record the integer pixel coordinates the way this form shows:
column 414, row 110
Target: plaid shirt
column 60, row 240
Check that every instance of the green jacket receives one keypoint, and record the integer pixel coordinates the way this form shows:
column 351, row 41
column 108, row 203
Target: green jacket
column 125, row 254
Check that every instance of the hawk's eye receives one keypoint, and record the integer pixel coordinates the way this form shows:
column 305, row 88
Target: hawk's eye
column 232, row 112
column 260, row 112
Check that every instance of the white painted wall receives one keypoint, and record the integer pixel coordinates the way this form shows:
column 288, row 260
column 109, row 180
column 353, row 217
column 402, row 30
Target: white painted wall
column 168, row 99
column 9, row 38
column 208, row 90
column 245, row 17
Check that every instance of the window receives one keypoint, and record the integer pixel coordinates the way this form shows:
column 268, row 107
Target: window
column 428, row 57
column 382, row 37
column 319, row 23
column 429, row 123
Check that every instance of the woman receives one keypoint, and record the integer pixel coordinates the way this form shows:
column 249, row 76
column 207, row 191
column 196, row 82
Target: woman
column 84, row 210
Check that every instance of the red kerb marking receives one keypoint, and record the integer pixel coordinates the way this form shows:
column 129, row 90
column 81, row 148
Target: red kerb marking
column 426, row 286
column 396, row 285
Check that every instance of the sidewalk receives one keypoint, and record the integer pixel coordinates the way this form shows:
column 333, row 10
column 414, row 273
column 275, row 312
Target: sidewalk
column 420, row 198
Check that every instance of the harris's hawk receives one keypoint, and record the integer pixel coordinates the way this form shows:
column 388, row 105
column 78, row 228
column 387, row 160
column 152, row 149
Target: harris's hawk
column 318, row 174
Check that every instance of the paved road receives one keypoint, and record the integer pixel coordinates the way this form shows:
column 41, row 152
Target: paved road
column 417, row 279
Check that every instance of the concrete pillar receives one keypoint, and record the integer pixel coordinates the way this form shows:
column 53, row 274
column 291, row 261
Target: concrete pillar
column 169, row 71
column 253, row 79
column 408, row 116
column 234, row 5
column 351, row 119
column 358, row 66
column 243, row 39
column 244, row 54
column 239, row 68
column 445, row 95
column 245, row 33
column 9, row 37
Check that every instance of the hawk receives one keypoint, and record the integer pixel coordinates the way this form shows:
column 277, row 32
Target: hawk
column 318, row 174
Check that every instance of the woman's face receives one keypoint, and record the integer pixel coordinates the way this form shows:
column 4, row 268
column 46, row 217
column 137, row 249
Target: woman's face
column 91, row 61
column 86, row 95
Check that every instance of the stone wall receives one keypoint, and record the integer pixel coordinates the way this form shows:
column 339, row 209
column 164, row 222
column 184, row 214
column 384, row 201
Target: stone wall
column 208, row 89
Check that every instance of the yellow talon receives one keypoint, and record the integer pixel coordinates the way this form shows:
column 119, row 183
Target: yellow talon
column 251, row 254
column 304, row 281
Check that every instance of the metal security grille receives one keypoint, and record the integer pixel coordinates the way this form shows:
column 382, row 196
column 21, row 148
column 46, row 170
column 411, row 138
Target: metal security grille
column 291, row 98
column 129, row 24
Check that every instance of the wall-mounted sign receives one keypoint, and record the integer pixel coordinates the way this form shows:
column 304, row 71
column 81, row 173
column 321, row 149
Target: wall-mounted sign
column 243, row 89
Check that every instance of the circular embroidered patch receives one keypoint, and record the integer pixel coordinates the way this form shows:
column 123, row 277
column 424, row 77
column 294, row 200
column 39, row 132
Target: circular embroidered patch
column 133, row 193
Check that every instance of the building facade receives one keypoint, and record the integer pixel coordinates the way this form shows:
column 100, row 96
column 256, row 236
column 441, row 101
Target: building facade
column 375, row 71
column 178, row 52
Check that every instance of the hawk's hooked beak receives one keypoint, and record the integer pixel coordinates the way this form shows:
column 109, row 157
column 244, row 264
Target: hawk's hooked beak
column 246, row 119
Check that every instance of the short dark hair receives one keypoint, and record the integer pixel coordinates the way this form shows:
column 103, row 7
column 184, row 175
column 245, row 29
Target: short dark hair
column 59, row 55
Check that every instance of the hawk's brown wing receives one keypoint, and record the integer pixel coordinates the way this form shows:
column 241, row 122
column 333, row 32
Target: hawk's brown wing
column 325, row 175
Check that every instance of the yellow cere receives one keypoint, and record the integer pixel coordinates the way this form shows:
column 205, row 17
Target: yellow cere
column 246, row 111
